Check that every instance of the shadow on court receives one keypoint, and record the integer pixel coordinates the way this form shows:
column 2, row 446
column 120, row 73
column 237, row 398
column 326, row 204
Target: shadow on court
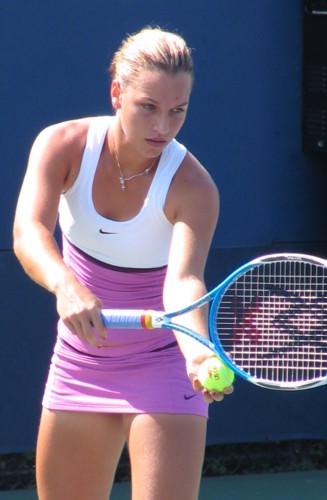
column 284, row 486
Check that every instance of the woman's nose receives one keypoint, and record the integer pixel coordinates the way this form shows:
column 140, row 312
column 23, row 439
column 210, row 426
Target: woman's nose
column 162, row 125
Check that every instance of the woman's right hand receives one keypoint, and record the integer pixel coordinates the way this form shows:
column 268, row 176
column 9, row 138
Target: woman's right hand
column 79, row 310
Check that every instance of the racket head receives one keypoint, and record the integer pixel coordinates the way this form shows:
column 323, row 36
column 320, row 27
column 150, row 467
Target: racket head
column 269, row 324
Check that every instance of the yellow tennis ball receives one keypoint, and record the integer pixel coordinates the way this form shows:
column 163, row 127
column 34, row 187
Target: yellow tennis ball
column 214, row 375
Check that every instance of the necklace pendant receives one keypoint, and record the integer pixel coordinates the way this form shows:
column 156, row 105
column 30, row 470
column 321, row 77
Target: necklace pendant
column 122, row 183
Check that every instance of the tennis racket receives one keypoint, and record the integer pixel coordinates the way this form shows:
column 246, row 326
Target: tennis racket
column 267, row 321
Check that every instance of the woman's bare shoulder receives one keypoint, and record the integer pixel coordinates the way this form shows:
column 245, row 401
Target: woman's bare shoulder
column 192, row 189
column 63, row 134
column 58, row 149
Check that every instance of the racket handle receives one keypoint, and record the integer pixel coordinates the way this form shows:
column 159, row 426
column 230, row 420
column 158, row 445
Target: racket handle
column 128, row 318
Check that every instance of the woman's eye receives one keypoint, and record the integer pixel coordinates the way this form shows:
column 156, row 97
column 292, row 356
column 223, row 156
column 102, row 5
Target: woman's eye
column 148, row 107
column 178, row 110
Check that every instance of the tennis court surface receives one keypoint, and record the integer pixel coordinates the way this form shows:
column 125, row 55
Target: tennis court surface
column 282, row 486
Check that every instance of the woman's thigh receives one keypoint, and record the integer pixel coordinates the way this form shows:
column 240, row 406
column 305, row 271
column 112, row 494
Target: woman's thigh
column 166, row 453
column 77, row 455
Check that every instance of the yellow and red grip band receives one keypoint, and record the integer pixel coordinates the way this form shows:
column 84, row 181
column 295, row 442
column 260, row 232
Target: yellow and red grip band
column 146, row 320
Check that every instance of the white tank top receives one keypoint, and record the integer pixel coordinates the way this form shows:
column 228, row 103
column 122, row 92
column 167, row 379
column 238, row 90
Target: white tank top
column 141, row 242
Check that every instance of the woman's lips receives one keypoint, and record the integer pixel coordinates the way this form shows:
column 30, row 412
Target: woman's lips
column 157, row 143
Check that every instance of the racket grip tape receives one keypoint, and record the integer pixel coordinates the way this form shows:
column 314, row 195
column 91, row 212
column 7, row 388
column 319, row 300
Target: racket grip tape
column 128, row 319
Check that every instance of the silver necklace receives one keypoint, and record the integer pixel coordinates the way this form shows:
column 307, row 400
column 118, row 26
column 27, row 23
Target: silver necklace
column 122, row 179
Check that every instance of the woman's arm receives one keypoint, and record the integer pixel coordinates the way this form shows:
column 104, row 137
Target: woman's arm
column 193, row 208
column 52, row 168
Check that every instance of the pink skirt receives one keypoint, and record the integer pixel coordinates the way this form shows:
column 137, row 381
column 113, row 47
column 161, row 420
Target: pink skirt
column 153, row 382
column 144, row 371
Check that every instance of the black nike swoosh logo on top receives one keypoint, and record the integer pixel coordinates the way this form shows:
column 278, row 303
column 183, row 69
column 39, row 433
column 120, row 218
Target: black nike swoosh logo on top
column 105, row 232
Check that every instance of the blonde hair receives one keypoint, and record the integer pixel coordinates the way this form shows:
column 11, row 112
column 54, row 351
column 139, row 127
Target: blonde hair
column 150, row 49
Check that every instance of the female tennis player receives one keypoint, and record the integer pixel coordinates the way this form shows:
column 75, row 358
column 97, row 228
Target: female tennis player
column 137, row 213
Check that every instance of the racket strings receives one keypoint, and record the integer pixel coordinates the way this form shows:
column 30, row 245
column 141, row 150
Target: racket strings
column 272, row 321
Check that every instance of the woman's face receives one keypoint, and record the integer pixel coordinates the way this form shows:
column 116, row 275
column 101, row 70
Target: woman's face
column 152, row 110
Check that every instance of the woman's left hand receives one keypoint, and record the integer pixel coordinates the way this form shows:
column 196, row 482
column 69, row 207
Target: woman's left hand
column 209, row 396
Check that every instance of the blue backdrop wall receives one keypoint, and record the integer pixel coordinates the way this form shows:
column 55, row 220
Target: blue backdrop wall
column 244, row 124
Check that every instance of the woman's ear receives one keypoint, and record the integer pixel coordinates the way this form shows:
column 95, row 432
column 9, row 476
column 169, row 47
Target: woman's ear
column 115, row 93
